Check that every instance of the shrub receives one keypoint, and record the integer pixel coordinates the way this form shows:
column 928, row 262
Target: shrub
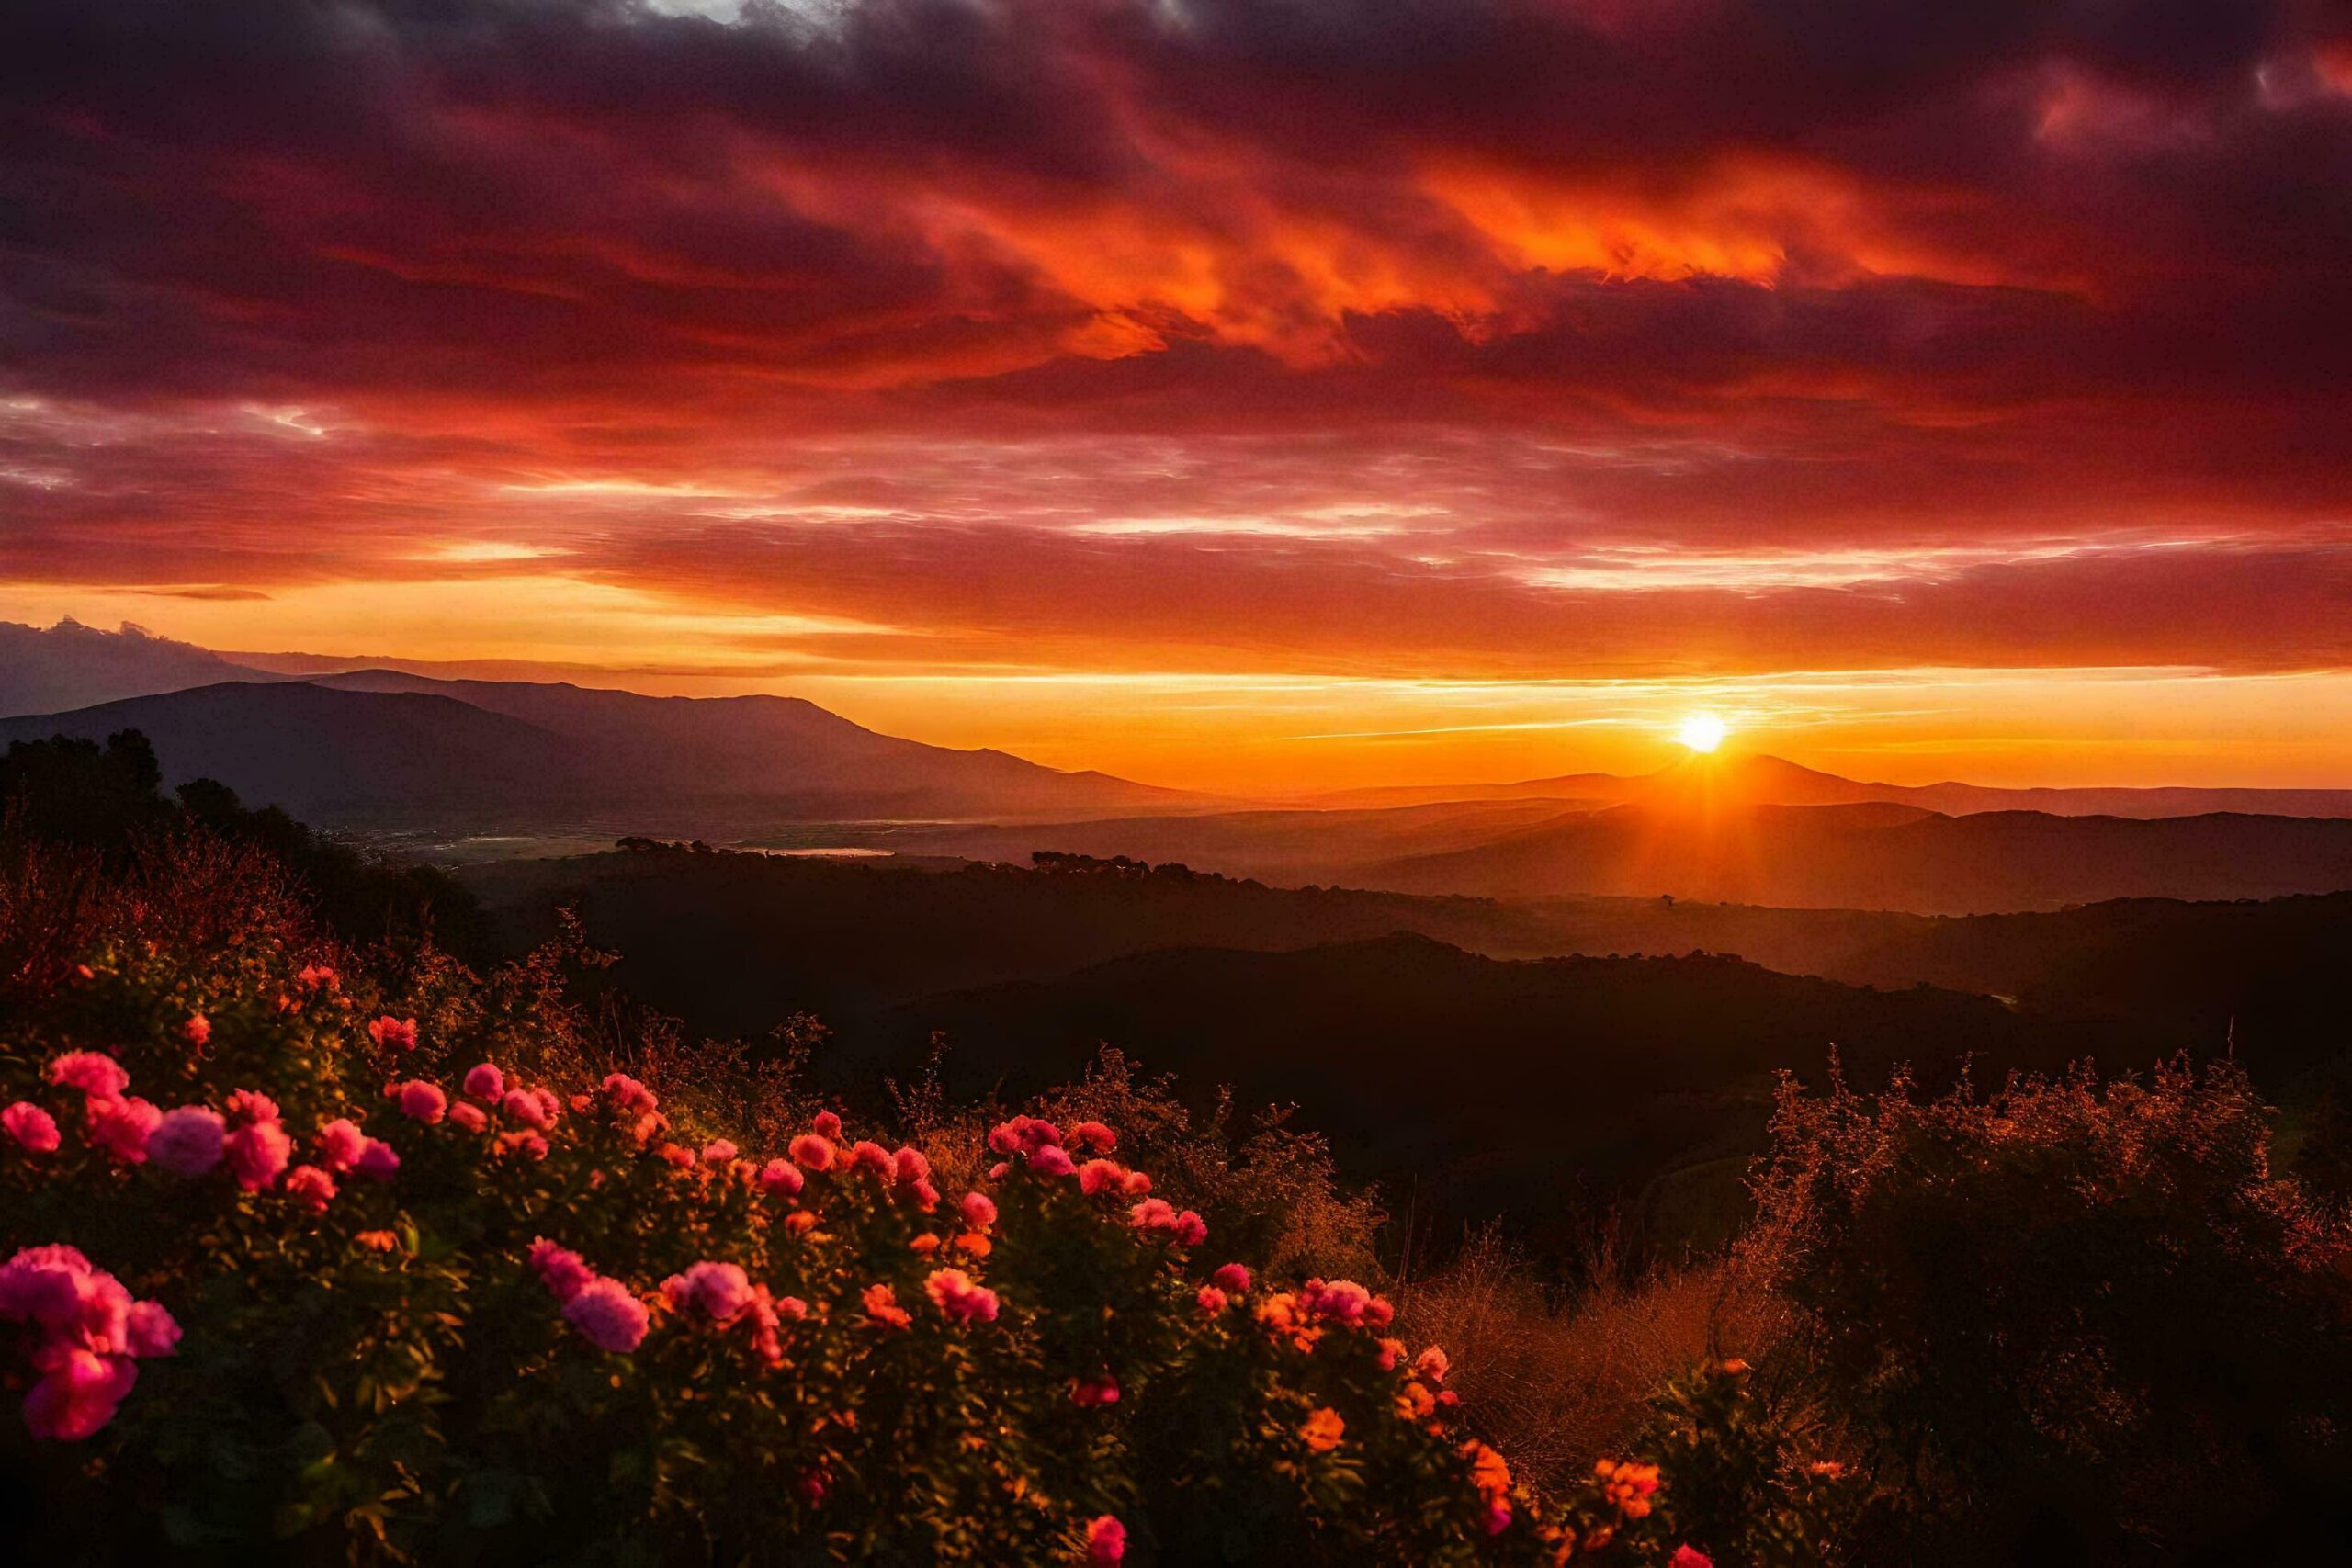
column 441, row 1292
column 2078, row 1315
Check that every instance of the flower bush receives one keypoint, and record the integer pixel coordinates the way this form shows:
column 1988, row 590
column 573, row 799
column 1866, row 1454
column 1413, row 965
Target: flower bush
column 403, row 1276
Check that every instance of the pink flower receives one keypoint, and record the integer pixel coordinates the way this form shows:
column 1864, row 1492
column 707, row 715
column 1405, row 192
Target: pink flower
column 979, row 1210
column 1089, row 1392
column 811, row 1151
column 256, row 1153
column 1023, row 1134
column 720, row 1291
column 1690, row 1557
column 485, row 1082
column 77, row 1396
column 718, row 1151
column 250, row 1105
column 198, row 1029
column 1233, row 1279
column 188, row 1141
column 828, row 1125
column 627, row 1093
column 954, row 1293
column 93, row 1072
column 1495, row 1515
column 534, row 1108
column 311, row 1187
column 1094, row 1135
column 1051, row 1159
column 399, row 1033
column 421, row 1101
column 1212, row 1300
column 121, row 1127
column 608, row 1316
column 378, row 1161
column 340, row 1143
column 1430, row 1365
column 1106, row 1541
column 1155, row 1216
column 882, row 1307
column 873, row 1160
column 999, row 1170
column 781, row 1180
column 50, row 1286
column 1339, row 1301
column 34, row 1129
column 152, row 1331
column 908, row 1166
column 469, row 1117
column 529, row 1144
column 563, row 1271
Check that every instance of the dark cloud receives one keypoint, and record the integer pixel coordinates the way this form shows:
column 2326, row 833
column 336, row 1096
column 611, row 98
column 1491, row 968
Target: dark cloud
column 1723, row 274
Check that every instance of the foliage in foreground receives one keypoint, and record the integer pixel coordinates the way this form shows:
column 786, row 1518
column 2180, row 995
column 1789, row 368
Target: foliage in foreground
column 2069, row 1317
column 409, row 1278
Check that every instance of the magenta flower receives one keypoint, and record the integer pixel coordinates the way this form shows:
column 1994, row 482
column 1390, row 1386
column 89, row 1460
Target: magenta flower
column 378, row 1161
column 121, row 1127
column 979, row 1210
column 93, row 1072
column 534, row 1108
column 188, row 1142
column 311, row 1188
column 563, row 1271
column 77, row 1396
column 34, row 1129
column 720, row 1291
column 957, row 1295
column 340, row 1143
column 152, row 1331
column 485, row 1082
column 1106, row 1541
column 257, row 1153
column 1051, row 1159
column 627, row 1094
column 780, row 1179
column 1089, row 1391
column 608, row 1316
column 1233, row 1278
column 421, row 1101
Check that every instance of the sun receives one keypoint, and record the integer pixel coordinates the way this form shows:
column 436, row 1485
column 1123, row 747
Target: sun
column 1702, row 732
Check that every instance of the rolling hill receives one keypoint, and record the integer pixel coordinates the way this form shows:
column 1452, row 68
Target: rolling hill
column 380, row 749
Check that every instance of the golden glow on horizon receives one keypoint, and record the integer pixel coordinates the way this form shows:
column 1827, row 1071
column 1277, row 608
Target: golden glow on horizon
column 1702, row 732
column 1273, row 734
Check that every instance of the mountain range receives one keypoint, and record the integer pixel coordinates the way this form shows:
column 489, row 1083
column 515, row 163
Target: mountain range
column 400, row 753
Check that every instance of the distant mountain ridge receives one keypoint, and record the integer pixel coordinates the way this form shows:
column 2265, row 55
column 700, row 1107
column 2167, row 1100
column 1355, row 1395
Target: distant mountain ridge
column 384, row 749
column 69, row 665
column 1762, row 780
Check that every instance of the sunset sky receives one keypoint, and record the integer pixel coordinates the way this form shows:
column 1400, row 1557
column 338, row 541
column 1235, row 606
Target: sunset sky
column 1231, row 394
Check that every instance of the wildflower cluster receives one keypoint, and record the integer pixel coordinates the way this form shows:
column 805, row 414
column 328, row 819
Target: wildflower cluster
column 534, row 1314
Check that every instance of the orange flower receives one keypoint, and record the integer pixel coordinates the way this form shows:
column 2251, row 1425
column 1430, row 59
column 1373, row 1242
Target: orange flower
column 1323, row 1430
column 1627, row 1487
column 800, row 1221
column 974, row 1243
column 378, row 1241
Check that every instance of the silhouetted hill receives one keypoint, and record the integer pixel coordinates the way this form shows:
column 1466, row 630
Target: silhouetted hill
column 70, row 665
column 733, row 941
column 382, row 749
column 1486, row 1086
column 1758, row 780
column 1891, row 857
column 338, row 757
